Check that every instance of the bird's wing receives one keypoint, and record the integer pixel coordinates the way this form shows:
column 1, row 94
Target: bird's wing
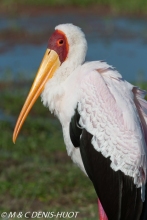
column 111, row 138
column 108, row 112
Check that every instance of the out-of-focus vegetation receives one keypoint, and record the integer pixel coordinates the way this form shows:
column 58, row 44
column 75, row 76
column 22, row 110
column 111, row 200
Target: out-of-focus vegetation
column 36, row 174
column 122, row 6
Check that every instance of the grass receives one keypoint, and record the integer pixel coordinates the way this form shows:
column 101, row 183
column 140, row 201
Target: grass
column 122, row 6
column 36, row 173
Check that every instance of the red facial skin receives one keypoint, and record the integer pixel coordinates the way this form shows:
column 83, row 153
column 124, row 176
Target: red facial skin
column 58, row 42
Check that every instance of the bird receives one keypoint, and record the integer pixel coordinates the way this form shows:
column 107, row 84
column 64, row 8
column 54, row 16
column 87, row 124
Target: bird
column 103, row 118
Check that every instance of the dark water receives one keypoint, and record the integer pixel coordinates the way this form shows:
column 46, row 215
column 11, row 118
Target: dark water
column 119, row 41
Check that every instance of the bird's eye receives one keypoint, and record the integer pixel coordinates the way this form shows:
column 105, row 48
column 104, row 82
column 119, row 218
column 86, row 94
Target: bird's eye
column 60, row 42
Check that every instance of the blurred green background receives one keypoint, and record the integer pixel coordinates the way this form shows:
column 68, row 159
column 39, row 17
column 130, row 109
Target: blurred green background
column 36, row 174
column 132, row 6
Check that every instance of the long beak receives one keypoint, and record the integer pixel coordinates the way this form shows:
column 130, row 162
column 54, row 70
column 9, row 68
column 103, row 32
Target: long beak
column 46, row 70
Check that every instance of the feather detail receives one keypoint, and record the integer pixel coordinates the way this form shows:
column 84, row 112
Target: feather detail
column 108, row 112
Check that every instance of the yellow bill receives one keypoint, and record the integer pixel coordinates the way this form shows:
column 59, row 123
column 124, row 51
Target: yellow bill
column 46, row 71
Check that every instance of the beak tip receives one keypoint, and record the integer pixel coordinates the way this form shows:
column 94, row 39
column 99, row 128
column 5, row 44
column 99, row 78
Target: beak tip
column 14, row 139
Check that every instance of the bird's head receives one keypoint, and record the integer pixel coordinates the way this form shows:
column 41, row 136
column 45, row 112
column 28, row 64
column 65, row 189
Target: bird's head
column 66, row 45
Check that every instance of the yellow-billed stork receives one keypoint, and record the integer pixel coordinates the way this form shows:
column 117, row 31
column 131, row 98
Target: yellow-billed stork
column 103, row 118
